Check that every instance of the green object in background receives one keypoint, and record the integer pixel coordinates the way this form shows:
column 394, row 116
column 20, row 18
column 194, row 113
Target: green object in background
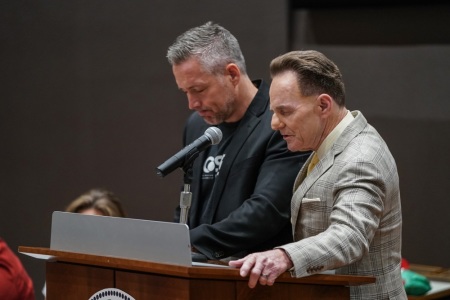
column 415, row 284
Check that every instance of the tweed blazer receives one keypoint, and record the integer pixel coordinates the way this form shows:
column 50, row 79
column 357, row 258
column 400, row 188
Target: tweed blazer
column 346, row 214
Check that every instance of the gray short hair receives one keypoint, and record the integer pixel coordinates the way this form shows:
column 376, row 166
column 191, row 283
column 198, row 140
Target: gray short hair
column 211, row 44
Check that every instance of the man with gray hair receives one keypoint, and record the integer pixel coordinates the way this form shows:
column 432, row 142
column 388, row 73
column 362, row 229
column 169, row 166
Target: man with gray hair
column 242, row 186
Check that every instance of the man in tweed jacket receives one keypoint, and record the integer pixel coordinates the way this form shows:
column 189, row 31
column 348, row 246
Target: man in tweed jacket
column 346, row 212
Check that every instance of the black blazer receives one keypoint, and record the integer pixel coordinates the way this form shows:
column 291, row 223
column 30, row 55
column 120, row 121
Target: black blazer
column 250, row 208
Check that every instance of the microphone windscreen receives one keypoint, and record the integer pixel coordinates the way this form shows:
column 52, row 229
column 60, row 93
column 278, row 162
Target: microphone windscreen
column 214, row 134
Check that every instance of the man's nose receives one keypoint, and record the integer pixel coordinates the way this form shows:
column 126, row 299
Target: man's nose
column 276, row 123
column 194, row 102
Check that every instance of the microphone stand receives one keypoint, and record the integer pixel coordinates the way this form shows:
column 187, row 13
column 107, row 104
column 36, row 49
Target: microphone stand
column 186, row 194
column 185, row 205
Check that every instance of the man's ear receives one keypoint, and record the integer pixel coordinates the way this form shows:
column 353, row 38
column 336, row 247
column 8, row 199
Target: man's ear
column 325, row 103
column 234, row 72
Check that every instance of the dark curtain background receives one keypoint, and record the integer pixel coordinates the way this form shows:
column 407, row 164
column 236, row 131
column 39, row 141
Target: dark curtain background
column 87, row 99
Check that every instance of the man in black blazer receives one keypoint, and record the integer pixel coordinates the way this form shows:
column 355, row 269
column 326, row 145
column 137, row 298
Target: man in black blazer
column 241, row 187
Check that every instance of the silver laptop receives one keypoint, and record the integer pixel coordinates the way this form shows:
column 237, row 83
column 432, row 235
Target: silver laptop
column 147, row 240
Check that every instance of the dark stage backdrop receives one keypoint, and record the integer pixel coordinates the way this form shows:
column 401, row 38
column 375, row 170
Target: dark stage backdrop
column 87, row 99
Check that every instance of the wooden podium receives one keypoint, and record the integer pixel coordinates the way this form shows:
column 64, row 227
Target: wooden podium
column 77, row 276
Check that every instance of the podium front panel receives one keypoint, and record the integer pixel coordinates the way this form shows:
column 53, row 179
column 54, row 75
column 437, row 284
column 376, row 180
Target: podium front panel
column 74, row 282
column 282, row 290
column 163, row 287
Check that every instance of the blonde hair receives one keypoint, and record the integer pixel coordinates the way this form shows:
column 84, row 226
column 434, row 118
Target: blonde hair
column 99, row 199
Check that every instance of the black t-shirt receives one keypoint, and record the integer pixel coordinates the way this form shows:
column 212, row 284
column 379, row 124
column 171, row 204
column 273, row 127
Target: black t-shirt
column 215, row 156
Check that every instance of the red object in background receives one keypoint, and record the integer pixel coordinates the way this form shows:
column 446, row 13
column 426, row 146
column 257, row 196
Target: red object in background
column 14, row 280
column 405, row 264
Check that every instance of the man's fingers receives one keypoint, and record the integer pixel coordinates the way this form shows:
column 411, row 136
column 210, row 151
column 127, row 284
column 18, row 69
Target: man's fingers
column 248, row 265
column 264, row 267
column 255, row 275
column 236, row 263
column 264, row 279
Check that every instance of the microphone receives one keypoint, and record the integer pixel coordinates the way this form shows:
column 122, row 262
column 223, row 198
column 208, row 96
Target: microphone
column 185, row 156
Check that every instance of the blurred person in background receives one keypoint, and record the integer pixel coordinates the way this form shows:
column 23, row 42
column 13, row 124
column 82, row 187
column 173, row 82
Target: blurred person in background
column 99, row 202
column 15, row 284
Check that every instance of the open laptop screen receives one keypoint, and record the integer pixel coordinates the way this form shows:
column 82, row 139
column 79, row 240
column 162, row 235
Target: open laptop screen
column 121, row 237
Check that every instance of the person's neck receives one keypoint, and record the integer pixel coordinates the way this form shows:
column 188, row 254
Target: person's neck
column 246, row 92
column 331, row 123
column 341, row 115
column 335, row 119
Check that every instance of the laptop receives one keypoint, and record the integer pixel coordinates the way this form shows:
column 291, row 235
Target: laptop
column 146, row 240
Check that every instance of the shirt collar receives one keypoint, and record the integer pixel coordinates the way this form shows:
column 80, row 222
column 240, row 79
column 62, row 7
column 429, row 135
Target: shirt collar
column 334, row 135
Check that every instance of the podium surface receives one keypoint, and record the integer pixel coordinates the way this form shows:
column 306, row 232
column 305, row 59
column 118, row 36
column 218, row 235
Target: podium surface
column 79, row 276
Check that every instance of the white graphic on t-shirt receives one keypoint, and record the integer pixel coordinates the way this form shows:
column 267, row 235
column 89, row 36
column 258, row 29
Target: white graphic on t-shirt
column 213, row 164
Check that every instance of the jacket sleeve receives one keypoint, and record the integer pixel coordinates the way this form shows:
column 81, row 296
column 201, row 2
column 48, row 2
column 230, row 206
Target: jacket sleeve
column 364, row 220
